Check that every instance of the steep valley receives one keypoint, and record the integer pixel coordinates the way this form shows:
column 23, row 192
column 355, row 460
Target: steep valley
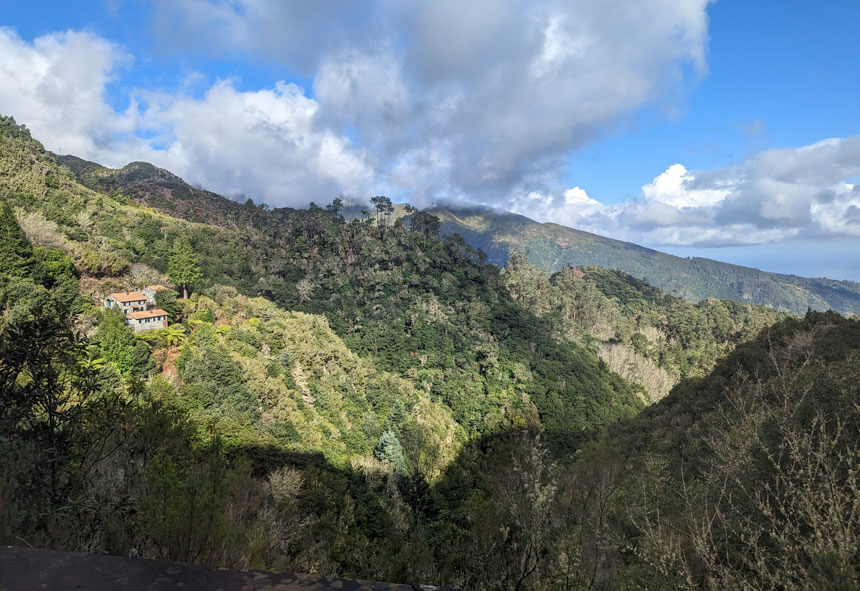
column 371, row 398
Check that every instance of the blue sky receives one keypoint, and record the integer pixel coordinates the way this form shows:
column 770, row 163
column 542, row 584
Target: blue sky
column 727, row 129
column 780, row 74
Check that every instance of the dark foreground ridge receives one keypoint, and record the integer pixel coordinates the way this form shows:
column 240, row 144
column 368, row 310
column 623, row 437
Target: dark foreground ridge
column 29, row 569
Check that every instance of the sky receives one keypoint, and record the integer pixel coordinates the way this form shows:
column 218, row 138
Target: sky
column 726, row 129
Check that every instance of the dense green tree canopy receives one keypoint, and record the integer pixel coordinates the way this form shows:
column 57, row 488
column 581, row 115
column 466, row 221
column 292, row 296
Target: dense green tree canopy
column 166, row 300
column 16, row 253
column 183, row 267
column 118, row 345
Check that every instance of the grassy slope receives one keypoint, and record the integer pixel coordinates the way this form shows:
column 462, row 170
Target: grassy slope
column 314, row 394
column 551, row 246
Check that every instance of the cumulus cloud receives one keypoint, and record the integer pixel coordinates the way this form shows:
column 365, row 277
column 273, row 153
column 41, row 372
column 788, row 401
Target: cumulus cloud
column 263, row 144
column 676, row 187
column 56, row 86
column 267, row 144
column 493, row 95
column 424, row 100
column 775, row 195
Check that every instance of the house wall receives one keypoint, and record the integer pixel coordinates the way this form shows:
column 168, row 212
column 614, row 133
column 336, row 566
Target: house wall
column 143, row 325
column 126, row 307
column 150, row 295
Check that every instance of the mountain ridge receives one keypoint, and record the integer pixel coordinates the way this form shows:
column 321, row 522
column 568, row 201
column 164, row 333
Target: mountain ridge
column 552, row 246
column 547, row 245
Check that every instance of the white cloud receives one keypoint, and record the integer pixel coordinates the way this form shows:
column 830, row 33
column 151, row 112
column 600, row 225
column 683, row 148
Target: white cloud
column 579, row 198
column 494, row 95
column 573, row 208
column 672, row 187
column 425, row 100
column 267, row 144
column 264, row 144
column 56, row 86
column 772, row 196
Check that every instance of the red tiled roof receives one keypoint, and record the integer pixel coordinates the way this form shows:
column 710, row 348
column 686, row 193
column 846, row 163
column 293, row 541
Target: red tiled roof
column 157, row 287
column 147, row 314
column 128, row 296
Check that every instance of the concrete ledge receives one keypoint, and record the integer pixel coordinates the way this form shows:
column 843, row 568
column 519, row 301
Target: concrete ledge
column 26, row 569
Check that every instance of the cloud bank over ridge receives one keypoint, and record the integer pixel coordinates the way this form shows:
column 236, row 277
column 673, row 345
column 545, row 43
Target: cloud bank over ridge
column 482, row 102
column 424, row 100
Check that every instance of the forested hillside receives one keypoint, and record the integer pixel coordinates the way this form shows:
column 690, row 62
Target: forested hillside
column 399, row 349
column 367, row 399
column 747, row 478
column 612, row 318
column 650, row 338
column 551, row 247
column 411, row 303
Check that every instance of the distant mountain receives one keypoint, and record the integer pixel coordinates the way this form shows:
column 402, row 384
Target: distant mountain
column 155, row 187
column 552, row 246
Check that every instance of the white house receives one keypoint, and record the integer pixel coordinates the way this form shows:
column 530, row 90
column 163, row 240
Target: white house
column 139, row 308
column 146, row 320
column 127, row 301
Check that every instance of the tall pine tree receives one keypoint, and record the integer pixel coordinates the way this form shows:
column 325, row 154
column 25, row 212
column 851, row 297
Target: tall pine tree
column 118, row 345
column 390, row 450
column 182, row 267
column 16, row 252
